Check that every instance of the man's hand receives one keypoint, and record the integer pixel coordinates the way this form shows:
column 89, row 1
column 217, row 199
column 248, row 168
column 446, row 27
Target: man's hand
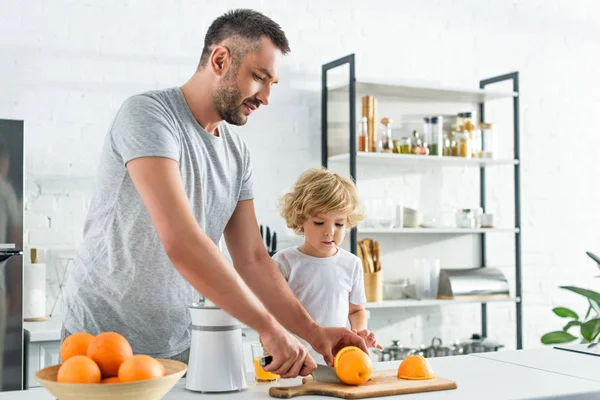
column 328, row 341
column 290, row 358
column 369, row 338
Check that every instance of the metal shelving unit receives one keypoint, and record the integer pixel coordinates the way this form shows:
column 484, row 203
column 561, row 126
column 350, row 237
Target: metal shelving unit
column 409, row 92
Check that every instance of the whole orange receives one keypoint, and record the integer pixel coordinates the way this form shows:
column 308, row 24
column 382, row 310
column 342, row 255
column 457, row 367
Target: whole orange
column 79, row 369
column 140, row 367
column 75, row 345
column 109, row 350
column 353, row 366
column 113, row 379
column 415, row 367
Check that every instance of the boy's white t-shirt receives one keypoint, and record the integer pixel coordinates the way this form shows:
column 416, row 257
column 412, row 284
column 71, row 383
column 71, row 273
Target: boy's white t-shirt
column 324, row 286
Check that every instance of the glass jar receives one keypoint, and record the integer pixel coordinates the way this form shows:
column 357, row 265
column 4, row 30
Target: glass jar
column 386, row 135
column 426, row 132
column 465, row 218
column 405, row 145
column 418, row 146
column 447, row 148
column 437, row 142
column 488, row 140
column 463, row 144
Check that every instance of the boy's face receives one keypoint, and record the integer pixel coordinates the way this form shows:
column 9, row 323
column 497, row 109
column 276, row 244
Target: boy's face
column 324, row 233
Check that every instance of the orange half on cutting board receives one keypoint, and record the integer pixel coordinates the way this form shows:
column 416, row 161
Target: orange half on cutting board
column 415, row 367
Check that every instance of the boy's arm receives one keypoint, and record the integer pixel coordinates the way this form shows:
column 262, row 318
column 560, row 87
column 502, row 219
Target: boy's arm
column 357, row 315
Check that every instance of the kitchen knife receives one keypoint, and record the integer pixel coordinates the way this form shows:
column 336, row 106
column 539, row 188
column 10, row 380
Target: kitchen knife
column 261, row 232
column 323, row 373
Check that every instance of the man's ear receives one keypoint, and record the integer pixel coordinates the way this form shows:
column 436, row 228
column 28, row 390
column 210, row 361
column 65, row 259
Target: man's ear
column 220, row 60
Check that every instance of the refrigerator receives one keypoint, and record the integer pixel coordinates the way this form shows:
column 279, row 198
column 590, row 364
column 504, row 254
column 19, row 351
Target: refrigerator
column 12, row 360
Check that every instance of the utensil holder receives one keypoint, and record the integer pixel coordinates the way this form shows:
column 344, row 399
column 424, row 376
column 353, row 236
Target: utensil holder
column 374, row 286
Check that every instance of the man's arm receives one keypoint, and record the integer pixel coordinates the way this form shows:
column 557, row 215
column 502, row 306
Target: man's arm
column 199, row 261
column 260, row 272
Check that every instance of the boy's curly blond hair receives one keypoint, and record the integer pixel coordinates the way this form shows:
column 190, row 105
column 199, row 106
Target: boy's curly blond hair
column 319, row 191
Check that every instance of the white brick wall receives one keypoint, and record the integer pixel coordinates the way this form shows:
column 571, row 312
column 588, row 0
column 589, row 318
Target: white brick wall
column 67, row 66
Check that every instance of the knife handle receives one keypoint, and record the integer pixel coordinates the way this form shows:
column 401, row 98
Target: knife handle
column 265, row 361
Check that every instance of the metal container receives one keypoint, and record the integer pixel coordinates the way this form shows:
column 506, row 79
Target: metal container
column 476, row 344
column 479, row 283
column 437, row 349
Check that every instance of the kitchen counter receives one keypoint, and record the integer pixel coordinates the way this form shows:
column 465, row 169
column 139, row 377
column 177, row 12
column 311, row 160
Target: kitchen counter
column 43, row 331
column 477, row 376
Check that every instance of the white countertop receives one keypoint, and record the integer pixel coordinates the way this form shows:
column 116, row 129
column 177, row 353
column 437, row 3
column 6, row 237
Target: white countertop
column 562, row 361
column 477, row 377
column 44, row 331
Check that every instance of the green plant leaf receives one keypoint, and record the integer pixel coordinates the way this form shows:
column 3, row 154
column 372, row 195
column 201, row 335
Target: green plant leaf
column 571, row 324
column 564, row 312
column 594, row 304
column 594, row 257
column 587, row 314
column 557, row 337
column 590, row 294
column 590, row 329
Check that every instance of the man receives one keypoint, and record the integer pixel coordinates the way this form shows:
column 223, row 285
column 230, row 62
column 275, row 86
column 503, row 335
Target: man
column 173, row 178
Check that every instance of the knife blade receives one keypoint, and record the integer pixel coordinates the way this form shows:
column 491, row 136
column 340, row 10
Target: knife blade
column 323, row 373
column 274, row 243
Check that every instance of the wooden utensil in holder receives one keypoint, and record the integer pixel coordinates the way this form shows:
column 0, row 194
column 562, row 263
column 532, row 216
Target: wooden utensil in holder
column 368, row 252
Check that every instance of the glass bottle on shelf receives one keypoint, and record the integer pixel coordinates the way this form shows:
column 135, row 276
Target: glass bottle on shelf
column 363, row 138
column 447, row 147
column 488, row 139
column 418, row 146
column 405, row 145
column 436, row 142
column 463, row 144
column 426, row 133
column 386, row 135
column 469, row 128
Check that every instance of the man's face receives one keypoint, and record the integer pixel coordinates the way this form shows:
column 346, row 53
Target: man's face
column 243, row 90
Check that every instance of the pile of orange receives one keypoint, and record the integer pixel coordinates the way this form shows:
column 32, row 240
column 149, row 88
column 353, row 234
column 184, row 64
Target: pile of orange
column 415, row 367
column 353, row 366
column 106, row 358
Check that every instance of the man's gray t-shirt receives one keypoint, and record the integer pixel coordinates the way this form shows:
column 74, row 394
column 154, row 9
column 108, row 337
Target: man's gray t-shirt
column 122, row 279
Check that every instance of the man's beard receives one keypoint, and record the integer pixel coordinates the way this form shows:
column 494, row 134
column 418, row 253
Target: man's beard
column 227, row 100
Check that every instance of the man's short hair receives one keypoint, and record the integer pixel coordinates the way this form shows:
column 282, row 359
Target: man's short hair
column 244, row 24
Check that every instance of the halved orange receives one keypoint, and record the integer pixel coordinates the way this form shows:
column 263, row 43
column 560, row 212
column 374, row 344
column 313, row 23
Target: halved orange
column 415, row 367
column 353, row 366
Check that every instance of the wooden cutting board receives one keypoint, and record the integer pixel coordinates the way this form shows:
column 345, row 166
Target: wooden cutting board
column 382, row 383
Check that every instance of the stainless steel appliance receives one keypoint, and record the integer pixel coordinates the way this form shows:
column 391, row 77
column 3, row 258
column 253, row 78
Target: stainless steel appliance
column 11, row 261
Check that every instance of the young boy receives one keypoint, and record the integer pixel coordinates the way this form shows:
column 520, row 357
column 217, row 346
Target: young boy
column 326, row 279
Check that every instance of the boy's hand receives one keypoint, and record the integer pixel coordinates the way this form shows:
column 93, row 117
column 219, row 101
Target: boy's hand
column 369, row 338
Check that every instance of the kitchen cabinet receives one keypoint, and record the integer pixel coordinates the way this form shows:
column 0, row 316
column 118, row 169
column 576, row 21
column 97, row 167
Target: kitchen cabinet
column 42, row 347
column 40, row 355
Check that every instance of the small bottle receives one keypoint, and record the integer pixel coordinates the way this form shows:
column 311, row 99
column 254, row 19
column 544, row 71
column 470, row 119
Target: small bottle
column 426, row 135
column 437, row 137
column 386, row 135
column 418, row 146
column 363, row 138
